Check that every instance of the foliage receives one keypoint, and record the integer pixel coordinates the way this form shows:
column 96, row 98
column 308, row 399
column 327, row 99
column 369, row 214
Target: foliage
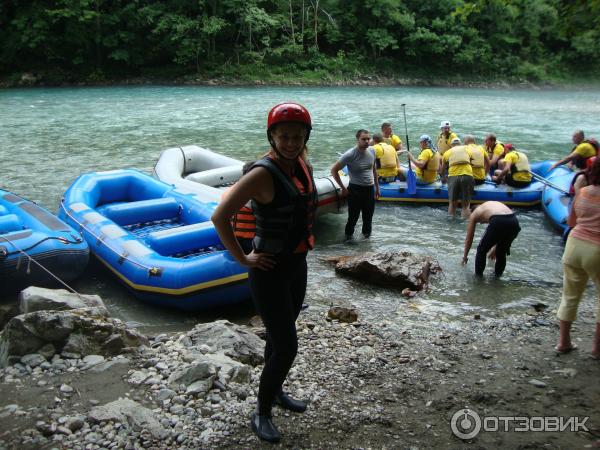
column 95, row 40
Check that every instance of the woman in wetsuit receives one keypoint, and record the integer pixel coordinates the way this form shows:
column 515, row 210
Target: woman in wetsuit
column 281, row 189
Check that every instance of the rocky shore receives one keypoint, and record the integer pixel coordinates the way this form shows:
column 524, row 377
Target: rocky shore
column 29, row 79
column 391, row 384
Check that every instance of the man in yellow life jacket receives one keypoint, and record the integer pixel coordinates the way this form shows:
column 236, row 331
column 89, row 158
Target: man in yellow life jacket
column 480, row 161
column 460, row 179
column 386, row 159
column 389, row 137
column 494, row 149
column 427, row 165
column 582, row 150
column 444, row 139
column 514, row 169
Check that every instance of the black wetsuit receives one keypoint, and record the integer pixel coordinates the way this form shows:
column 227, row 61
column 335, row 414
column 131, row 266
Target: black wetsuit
column 501, row 231
column 278, row 293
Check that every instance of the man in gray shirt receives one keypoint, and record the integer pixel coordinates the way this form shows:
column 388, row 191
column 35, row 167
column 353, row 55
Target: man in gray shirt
column 364, row 186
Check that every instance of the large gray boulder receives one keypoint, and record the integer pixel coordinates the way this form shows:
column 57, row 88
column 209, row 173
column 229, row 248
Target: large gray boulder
column 227, row 369
column 394, row 269
column 131, row 414
column 201, row 370
column 41, row 299
column 227, row 338
column 81, row 331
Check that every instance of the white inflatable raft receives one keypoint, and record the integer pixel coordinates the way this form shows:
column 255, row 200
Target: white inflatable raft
column 208, row 174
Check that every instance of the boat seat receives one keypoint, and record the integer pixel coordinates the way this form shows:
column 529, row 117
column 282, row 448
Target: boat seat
column 10, row 222
column 141, row 211
column 218, row 176
column 182, row 239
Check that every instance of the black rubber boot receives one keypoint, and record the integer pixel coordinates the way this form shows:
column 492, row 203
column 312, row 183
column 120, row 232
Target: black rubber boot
column 264, row 428
column 286, row 402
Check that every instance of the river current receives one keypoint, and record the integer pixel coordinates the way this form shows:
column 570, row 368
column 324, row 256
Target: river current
column 50, row 136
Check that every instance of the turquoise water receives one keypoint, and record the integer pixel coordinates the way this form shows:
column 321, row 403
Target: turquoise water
column 50, row 136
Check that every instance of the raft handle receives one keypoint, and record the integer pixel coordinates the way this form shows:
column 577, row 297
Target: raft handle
column 155, row 271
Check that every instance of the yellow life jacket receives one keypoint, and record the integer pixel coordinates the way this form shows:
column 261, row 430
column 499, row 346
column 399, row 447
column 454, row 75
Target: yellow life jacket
column 522, row 164
column 459, row 155
column 393, row 140
column 388, row 159
column 443, row 144
column 478, row 155
column 433, row 165
column 497, row 148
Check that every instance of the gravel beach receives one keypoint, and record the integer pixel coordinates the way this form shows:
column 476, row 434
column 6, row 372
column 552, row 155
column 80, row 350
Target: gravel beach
column 391, row 384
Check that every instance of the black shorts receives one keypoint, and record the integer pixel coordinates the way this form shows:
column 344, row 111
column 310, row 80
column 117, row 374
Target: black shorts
column 514, row 183
column 460, row 187
column 383, row 180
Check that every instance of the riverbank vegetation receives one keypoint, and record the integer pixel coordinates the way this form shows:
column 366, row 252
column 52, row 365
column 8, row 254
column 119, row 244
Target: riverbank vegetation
column 299, row 41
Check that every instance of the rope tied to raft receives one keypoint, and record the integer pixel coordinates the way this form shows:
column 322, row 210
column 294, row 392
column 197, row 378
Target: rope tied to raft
column 30, row 259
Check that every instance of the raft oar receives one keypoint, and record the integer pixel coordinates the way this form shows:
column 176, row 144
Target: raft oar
column 411, row 178
column 548, row 183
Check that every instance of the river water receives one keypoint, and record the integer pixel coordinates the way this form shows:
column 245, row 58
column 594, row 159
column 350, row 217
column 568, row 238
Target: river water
column 50, row 136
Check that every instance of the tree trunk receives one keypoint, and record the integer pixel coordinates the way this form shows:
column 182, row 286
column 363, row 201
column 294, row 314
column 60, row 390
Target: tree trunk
column 316, row 22
column 211, row 39
column 98, row 37
column 302, row 27
column 292, row 22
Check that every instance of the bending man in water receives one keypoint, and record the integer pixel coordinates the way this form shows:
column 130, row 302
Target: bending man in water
column 503, row 228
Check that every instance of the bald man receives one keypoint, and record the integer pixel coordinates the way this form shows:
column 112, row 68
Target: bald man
column 582, row 151
column 503, row 228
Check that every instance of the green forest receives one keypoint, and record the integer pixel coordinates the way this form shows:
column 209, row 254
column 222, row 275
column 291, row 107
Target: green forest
column 317, row 41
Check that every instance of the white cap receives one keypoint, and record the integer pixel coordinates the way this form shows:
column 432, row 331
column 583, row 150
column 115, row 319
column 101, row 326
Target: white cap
column 445, row 124
column 424, row 137
column 455, row 141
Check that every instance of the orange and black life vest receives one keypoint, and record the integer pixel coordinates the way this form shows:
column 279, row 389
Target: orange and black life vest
column 285, row 224
column 243, row 223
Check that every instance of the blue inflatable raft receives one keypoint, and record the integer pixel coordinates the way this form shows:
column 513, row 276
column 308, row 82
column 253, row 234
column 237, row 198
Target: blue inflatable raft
column 438, row 192
column 555, row 200
column 32, row 240
column 159, row 241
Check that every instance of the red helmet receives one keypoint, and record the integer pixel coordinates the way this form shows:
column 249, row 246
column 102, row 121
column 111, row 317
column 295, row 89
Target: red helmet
column 509, row 147
column 288, row 112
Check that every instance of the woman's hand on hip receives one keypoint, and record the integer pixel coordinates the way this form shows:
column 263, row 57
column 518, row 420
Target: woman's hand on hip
column 263, row 261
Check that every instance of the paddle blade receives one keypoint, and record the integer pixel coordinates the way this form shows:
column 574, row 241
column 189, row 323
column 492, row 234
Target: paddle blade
column 411, row 182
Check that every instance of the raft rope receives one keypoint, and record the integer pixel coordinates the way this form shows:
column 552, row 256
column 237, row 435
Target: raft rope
column 40, row 265
column 184, row 164
column 58, row 238
column 151, row 270
column 337, row 194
